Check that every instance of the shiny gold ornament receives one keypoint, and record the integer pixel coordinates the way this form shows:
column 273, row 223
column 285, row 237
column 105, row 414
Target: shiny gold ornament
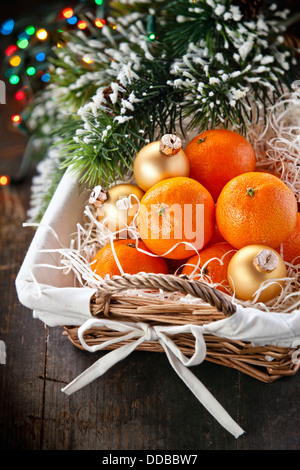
column 117, row 206
column 250, row 267
column 160, row 160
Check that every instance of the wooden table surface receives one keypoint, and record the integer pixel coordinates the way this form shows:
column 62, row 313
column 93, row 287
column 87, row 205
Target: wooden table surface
column 139, row 404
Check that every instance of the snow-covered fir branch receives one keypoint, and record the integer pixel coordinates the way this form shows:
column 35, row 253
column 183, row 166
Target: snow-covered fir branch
column 117, row 89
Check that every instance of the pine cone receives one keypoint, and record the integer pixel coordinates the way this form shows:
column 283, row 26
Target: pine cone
column 106, row 94
column 293, row 42
column 249, row 9
column 107, row 91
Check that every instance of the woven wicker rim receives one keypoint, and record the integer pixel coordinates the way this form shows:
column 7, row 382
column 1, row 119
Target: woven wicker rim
column 111, row 300
column 167, row 283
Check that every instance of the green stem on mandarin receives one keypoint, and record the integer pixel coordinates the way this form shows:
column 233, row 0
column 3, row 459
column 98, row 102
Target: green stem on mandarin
column 250, row 192
column 161, row 210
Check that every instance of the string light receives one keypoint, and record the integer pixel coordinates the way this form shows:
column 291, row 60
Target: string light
column 40, row 56
column 4, row 180
column 15, row 60
column 9, row 72
column 45, row 78
column 87, row 60
column 30, row 30
column 22, row 43
column 151, row 27
column 30, row 71
column 67, row 13
column 16, row 119
column 72, row 20
column 99, row 23
column 20, row 95
column 81, row 24
column 23, row 35
column 7, row 27
column 42, row 34
column 14, row 79
column 11, row 50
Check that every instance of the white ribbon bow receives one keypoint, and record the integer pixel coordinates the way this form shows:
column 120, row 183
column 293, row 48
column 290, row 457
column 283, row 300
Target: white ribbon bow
column 180, row 363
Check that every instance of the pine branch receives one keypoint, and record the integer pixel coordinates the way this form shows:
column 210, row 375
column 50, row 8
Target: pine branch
column 204, row 63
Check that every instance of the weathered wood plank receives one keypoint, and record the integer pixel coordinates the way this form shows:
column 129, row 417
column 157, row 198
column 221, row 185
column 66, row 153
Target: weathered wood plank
column 21, row 391
column 140, row 404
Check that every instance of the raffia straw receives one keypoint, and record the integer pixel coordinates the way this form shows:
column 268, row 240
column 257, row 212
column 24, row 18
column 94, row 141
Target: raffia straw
column 275, row 138
column 277, row 148
column 276, row 142
column 91, row 238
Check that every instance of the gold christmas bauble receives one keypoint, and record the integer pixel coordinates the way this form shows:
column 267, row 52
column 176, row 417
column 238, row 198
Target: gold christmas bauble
column 250, row 267
column 117, row 206
column 160, row 160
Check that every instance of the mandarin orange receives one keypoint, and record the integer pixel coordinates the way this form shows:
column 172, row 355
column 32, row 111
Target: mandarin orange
column 176, row 217
column 256, row 208
column 216, row 236
column 290, row 248
column 212, row 265
column 130, row 258
column 218, row 155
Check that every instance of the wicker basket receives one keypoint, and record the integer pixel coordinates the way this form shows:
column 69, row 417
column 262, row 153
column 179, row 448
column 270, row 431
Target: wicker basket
column 265, row 363
column 152, row 312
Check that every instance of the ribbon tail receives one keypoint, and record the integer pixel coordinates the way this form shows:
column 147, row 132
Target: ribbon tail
column 101, row 366
column 203, row 395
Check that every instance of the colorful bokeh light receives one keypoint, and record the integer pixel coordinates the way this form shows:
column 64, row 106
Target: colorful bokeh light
column 14, row 79
column 16, row 118
column 40, row 56
column 73, row 20
column 11, row 50
column 100, row 23
column 20, row 95
column 30, row 30
column 87, row 60
column 31, row 70
column 4, row 180
column 15, row 60
column 22, row 43
column 42, row 34
column 7, row 27
column 82, row 24
column 23, row 35
column 45, row 78
column 67, row 13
